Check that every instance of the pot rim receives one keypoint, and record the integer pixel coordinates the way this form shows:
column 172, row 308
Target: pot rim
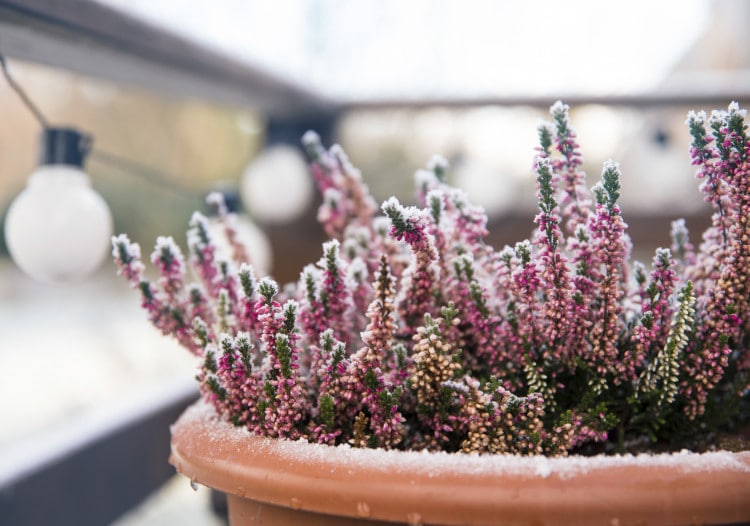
column 445, row 488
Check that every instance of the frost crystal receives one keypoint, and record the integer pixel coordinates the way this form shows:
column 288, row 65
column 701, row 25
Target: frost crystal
column 412, row 332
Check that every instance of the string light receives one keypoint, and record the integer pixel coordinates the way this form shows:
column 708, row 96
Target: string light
column 58, row 228
column 276, row 186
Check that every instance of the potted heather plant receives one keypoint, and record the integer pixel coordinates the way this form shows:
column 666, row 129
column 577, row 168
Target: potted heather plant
column 416, row 374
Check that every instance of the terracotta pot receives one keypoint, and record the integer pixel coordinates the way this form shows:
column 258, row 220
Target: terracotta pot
column 283, row 482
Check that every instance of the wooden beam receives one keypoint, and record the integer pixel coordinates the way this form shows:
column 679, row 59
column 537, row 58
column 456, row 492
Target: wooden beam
column 96, row 40
column 717, row 97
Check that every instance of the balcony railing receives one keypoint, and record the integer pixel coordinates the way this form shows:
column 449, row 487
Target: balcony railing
column 93, row 470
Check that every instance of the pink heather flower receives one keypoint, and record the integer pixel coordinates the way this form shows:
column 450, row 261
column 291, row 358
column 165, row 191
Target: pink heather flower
column 608, row 234
column 127, row 256
column 525, row 287
column 346, row 198
column 410, row 224
column 470, row 220
column 202, row 254
column 559, row 306
column 575, row 201
column 328, row 301
column 412, row 332
column 167, row 257
column 228, row 223
column 652, row 330
column 249, row 315
column 724, row 262
column 166, row 303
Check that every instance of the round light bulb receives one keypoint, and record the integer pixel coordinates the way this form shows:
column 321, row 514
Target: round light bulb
column 276, row 186
column 58, row 228
column 255, row 241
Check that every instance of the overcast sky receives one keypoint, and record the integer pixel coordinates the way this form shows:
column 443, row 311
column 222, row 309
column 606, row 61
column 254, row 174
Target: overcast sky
column 371, row 48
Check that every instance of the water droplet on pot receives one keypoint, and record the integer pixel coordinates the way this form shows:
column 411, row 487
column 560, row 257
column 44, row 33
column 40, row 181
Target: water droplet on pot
column 414, row 519
column 296, row 503
column 241, row 491
column 194, row 484
column 363, row 509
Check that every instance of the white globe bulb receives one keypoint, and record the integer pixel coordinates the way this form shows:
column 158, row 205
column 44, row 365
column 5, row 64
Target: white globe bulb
column 277, row 187
column 255, row 241
column 58, row 228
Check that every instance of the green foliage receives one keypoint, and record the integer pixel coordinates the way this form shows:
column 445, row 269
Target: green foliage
column 268, row 289
column 546, row 347
column 290, row 317
column 436, row 207
column 371, row 380
column 146, row 292
column 547, row 202
column 200, row 330
column 284, row 355
column 223, row 310
column 209, row 361
column 523, row 252
column 247, row 280
column 545, row 134
column 243, row 345
column 400, row 223
column 611, row 186
column 696, row 126
column 327, row 410
column 389, row 398
column 216, row 388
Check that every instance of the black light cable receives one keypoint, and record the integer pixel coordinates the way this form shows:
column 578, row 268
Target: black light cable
column 58, row 228
column 61, row 145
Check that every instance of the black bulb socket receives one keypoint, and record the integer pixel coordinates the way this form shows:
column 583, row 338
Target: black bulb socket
column 64, row 146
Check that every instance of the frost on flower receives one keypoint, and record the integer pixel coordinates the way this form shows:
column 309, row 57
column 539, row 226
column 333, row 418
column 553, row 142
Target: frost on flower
column 412, row 332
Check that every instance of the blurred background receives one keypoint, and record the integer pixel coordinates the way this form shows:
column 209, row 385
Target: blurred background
column 392, row 81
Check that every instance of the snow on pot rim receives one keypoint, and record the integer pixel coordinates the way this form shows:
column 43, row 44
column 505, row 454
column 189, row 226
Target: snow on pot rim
column 444, row 488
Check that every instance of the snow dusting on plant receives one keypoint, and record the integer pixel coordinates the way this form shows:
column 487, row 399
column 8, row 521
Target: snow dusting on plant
column 414, row 334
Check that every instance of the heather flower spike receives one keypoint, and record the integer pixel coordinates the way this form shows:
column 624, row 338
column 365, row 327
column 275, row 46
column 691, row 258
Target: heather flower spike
column 412, row 332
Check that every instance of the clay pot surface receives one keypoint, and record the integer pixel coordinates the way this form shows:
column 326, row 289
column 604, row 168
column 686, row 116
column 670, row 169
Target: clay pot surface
column 272, row 481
